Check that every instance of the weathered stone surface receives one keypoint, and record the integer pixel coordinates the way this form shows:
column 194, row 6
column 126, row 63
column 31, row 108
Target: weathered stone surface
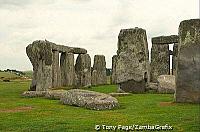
column 174, row 58
column 50, row 94
column 67, row 69
column 67, row 49
column 165, row 39
column 99, row 70
column 56, row 74
column 76, row 50
column 33, row 94
column 83, row 70
column 55, row 94
column 44, row 56
column 152, row 86
column 166, row 84
column 132, row 61
column 94, row 78
column 160, row 61
column 188, row 62
column 40, row 55
column 114, row 77
column 89, row 99
column 133, row 86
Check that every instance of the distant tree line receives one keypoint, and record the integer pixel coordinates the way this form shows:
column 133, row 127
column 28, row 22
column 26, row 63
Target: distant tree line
column 19, row 73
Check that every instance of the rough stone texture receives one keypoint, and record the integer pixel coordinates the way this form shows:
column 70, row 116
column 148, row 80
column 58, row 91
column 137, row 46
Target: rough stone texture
column 152, row 86
column 165, row 39
column 83, row 70
column 94, row 78
column 160, row 55
column 56, row 74
column 76, row 50
column 99, row 70
column 50, row 94
column 44, row 56
column 67, row 69
column 54, row 94
column 132, row 61
column 114, row 77
column 188, row 63
column 33, row 94
column 40, row 55
column 67, row 49
column 89, row 99
column 166, row 84
column 160, row 61
column 174, row 58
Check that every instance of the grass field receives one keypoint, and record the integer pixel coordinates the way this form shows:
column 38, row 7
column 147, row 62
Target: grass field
column 7, row 75
column 28, row 73
column 38, row 114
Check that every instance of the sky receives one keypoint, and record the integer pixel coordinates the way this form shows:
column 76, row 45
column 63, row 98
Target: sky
column 90, row 24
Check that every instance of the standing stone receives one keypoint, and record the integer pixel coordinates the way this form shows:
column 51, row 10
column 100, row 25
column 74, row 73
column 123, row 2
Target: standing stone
column 160, row 61
column 114, row 77
column 132, row 60
column 56, row 81
column 99, row 70
column 67, row 69
column 40, row 55
column 174, row 58
column 83, row 70
column 188, row 63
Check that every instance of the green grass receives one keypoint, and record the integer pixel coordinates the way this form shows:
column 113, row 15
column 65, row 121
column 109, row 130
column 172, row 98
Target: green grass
column 51, row 115
column 7, row 75
column 104, row 89
column 28, row 73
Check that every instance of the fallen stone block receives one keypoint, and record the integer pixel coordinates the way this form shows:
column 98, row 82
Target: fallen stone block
column 166, row 84
column 54, row 94
column 89, row 99
column 33, row 94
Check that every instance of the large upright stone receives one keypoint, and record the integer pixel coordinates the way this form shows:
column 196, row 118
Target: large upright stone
column 114, row 77
column 67, row 69
column 132, row 60
column 41, row 57
column 174, row 58
column 160, row 55
column 99, row 70
column 83, row 70
column 56, row 75
column 160, row 61
column 188, row 64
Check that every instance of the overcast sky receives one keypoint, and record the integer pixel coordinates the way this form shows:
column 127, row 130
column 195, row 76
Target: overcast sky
column 90, row 24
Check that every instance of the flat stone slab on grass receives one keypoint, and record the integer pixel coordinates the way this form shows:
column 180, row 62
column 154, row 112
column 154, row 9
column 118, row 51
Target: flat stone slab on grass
column 50, row 94
column 89, row 99
column 33, row 94
column 54, row 94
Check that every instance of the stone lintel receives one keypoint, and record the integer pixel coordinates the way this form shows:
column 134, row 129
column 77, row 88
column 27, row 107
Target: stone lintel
column 63, row 48
column 165, row 39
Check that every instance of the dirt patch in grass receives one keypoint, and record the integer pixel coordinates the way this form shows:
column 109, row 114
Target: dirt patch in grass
column 17, row 109
column 167, row 104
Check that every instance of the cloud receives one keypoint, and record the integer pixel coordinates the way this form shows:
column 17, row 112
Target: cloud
column 91, row 24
